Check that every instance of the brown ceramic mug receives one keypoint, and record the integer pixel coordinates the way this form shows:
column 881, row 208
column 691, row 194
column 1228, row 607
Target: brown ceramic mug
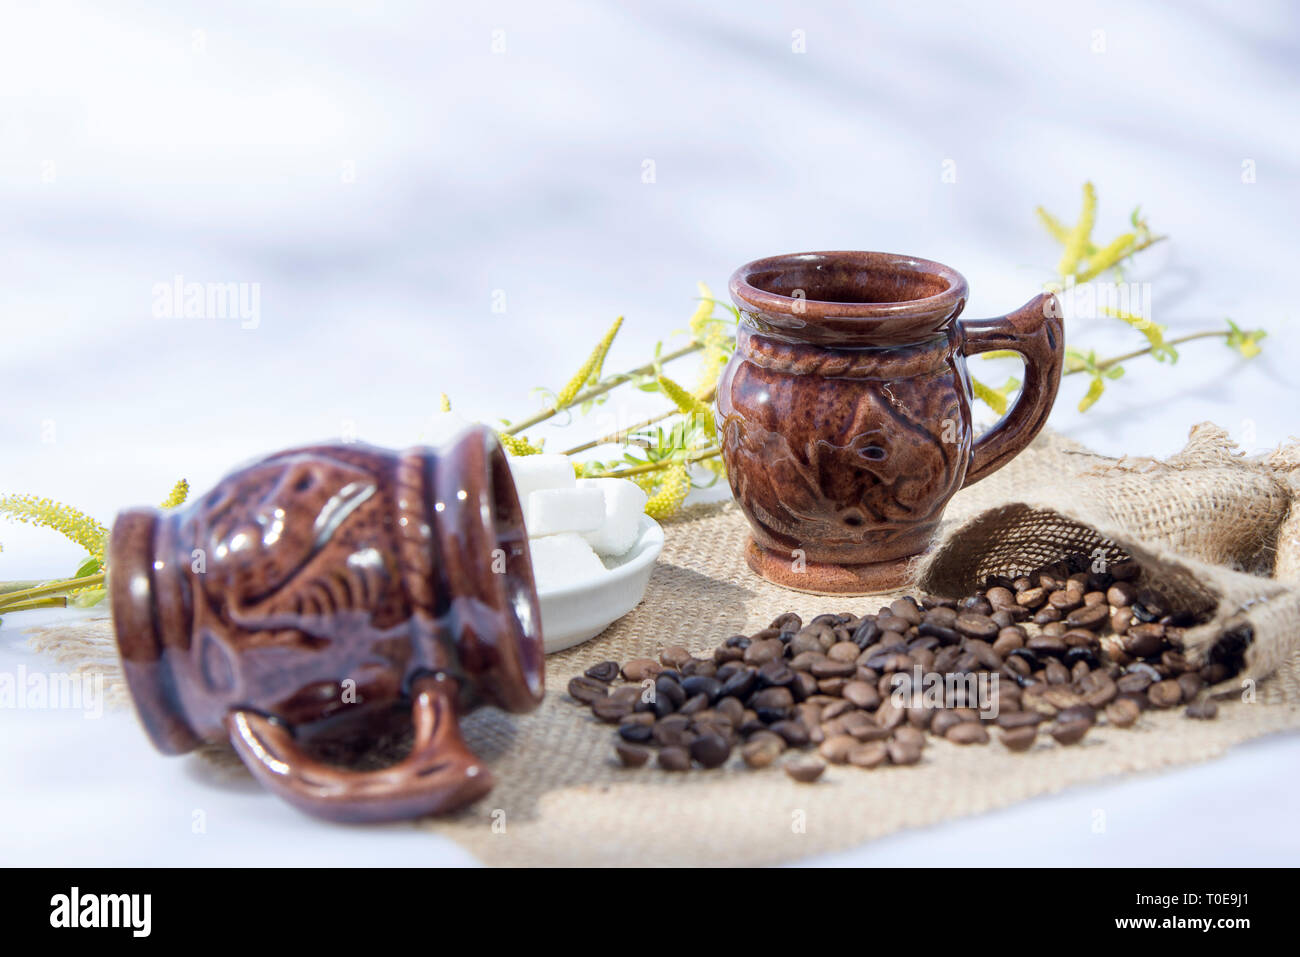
column 322, row 591
column 845, row 412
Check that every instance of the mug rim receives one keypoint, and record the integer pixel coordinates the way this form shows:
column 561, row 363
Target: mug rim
column 947, row 302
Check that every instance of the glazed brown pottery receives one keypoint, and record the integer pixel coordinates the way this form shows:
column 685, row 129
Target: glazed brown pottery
column 845, row 413
column 321, row 592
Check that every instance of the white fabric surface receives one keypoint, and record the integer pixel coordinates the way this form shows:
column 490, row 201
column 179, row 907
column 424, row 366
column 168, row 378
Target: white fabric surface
column 385, row 178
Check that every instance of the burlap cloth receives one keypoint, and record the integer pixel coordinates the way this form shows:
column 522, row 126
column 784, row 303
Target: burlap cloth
column 1221, row 530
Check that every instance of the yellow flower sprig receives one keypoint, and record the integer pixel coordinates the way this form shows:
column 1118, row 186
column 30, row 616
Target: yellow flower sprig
column 1079, row 238
column 589, row 373
column 673, row 489
column 688, row 404
column 995, row 399
column 69, row 522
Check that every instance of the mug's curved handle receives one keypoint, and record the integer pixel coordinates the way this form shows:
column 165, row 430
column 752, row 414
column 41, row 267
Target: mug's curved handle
column 1035, row 331
column 440, row 774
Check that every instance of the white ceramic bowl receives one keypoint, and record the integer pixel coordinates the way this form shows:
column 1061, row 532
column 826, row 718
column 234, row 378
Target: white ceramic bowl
column 575, row 613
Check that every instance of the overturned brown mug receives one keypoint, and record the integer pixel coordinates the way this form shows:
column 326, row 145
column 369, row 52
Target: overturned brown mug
column 315, row 592
column 845, row 412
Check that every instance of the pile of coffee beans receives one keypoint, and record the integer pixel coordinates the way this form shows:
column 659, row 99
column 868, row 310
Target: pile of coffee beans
column 1070, row 646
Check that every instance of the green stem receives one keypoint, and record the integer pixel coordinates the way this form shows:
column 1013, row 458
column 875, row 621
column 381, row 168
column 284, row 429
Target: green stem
column 6, row 587
column 655, row 466
column 50, row 588
column 59, row 602
column 624, row 434
column 602, row 388
column 1136, row 353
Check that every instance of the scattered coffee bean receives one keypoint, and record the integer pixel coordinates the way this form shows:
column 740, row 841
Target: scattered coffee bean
column 674, row 758
column 632, row 755
column 711, row 750
column 805, row 769
column 1019, row 738
column 1203, row 710
column 639, row 669
column 1123, row 713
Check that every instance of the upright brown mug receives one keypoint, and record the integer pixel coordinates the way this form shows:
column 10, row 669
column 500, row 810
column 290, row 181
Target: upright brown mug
column 845, row 412
column 318, row 592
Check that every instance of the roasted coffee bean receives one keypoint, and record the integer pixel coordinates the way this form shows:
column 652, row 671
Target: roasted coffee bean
column 872, row 754
column 1079, row 712
column 836, row 749
column 974, row 625
column 1077, row 655
column 587, row 690
column 699, row 667
column 1143, row 641
column 792, row 732
column 732, row 710
column 1121, row 618
column 759, row 752
column 670, row 690
column 1071, row 731
column 843, row 651
column 1089, row 616
column 1056, row 673
column 1191, row 684
column 639, row 669
column 1019, row 738
column 612, row 709
column 694, row 705
column 711, row 750
column 675, row 758
column 740, row 684
column 711, row 688
column 1044, row 645
column 1019, row 719
column 828, row 668
column 1165, row 694
column 805, row 769
column 861, row 695
column 775, row 674
column 803, row 686
column 1203, row 710
column 632, row 755
column 910, row 737
column 1122, row 713
column 789, row 622
column 674, row 656
column 605, row 671
column 761, row 652
column 967, row 732
column 1046, row 615
column 634, row 732
column 902, row 753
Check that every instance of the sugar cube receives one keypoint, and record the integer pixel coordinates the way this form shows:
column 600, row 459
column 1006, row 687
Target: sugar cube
column 554, row 510
column 624, row 505
column 563, row 560
column 533, row 472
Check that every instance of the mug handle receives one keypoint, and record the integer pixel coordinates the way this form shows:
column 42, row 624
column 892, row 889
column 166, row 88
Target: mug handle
column 1035, row 331
column 440, row 774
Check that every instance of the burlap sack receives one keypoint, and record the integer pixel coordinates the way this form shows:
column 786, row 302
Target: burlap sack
column 561, row 799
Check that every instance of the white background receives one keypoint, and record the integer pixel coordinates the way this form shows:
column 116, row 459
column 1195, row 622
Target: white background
column 379, row 172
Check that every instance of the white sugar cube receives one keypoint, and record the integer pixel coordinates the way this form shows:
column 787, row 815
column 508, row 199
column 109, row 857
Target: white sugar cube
column 533, row 472
column 563, row 560
column 624, row 505
column 551, row 511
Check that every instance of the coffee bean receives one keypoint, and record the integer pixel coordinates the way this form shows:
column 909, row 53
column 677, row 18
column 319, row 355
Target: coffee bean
column 612, row 709
column 632, row 755
column 1122, row 713
column 634, row 732
column 967, row 732
column 587, row 690
column 789, row 622
column 975, row 625
column 792, row 732
column 1203, row 710
column 759, row 752
column 843, row 651
column 1143, row 641
column 639, row 669
column 1019, row 719
column 805, row 769
column 605, row 671
column 675, row 758
column 1044, row 645
column 694, row 705
column 1165, row 694
column 670, row 690
column 700, row 667
column 861, row 694
column 870, row 755
column 1191, row 684
column 829, row 668
column 711, row 688
column 836, row 749
column 740, row 684
column 1070, row 731
column 1089, row 616
column 711, row 750
column 761, row 652
column 1019, row 738
column 775, row 674
column 674, row 656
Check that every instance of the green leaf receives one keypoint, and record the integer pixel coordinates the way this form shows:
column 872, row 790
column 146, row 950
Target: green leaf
column 90, row 566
